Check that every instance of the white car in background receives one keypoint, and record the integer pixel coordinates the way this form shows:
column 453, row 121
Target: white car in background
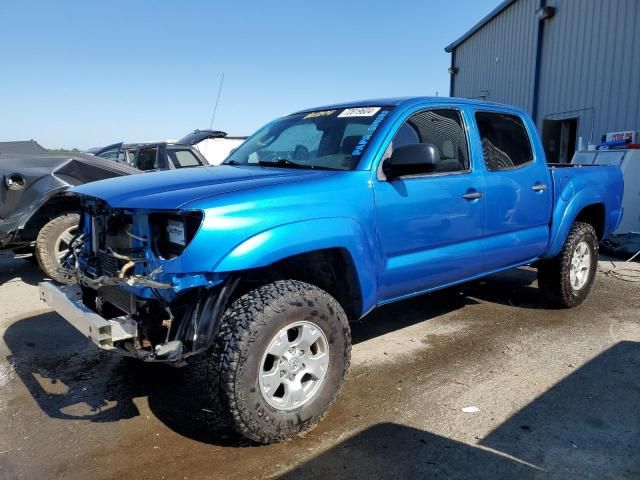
column 214, row 145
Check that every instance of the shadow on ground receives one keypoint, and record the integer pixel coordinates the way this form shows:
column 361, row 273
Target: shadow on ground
column 587, row 426
column 393, row 451
column 71, row 379
column 515, row 288
column 23, row 269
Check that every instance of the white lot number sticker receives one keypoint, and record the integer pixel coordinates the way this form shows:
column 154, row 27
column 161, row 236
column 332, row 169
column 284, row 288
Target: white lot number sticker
column 359, row 112
column 176, row 232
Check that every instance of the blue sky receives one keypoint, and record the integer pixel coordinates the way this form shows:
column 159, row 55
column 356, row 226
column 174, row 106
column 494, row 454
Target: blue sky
column 83, row 74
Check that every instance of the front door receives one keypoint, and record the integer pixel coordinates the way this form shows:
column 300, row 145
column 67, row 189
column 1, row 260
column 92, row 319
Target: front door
column 430, row 225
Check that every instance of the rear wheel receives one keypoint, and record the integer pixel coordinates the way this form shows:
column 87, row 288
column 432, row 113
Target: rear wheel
column 566, row 280
column 53, row 243
column 284, row 353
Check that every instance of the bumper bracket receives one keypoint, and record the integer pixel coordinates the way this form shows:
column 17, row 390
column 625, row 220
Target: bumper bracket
column 67, row 302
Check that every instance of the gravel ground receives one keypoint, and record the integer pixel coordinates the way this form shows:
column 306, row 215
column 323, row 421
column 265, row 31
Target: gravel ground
column 556, row 394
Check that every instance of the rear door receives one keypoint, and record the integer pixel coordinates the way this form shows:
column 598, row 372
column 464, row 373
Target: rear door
column 517, row 189
column 430, row 226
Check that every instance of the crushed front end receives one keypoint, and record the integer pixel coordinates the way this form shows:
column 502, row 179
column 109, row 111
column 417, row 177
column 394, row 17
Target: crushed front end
column 132, row 295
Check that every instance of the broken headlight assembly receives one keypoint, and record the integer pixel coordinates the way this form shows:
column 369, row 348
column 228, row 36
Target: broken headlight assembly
column 173, row 232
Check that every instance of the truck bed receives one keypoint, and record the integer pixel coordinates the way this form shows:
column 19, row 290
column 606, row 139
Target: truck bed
column 575, row 186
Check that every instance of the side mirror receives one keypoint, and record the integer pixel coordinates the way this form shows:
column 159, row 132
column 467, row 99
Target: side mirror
column 413, row 159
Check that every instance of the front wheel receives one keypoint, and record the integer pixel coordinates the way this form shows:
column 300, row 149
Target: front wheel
column 566, row 280
column 285, row 351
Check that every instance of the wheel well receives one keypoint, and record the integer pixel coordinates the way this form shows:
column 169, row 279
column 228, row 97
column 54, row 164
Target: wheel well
column 55, row 206
column 593, row 215
column 332, row 270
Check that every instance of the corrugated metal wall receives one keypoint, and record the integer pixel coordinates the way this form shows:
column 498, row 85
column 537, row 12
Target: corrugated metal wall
column 497, row 61
column 589, row 68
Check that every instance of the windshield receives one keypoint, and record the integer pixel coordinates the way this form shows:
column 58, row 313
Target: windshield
column 325, row 139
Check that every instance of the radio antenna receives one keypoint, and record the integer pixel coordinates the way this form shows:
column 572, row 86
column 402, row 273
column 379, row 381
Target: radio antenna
column 215, row 108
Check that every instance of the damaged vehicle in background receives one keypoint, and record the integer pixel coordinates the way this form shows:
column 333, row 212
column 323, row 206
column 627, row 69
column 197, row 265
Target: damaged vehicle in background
column 35, row 214
column 214, row 145
column 253, row 269
column 154, row 156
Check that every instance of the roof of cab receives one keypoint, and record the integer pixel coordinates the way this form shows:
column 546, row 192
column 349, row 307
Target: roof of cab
column 405, row 101
column 135, row 145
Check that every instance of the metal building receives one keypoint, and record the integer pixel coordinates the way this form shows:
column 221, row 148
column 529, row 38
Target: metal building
column 573, row 65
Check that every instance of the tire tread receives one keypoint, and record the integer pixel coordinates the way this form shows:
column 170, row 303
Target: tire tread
column 43, row 256
column 242, row 320
column 553, row 273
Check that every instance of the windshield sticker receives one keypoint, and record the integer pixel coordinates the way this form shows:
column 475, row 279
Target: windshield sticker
column 323, row 113
column 365, row 138
column 359, row 112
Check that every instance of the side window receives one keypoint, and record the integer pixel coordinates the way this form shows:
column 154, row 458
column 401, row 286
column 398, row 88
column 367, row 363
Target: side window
column 130, row 157
column 183, row 158
column 147, row 159
column 505, row 143
column 442, row 128
column 113, row 154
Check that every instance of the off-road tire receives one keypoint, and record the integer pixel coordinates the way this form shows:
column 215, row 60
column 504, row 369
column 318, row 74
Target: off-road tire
column 554, row 274
column 46, row 242
column 246, row 329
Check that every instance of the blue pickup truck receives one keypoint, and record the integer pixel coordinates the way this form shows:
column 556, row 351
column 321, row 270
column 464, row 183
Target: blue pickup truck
column 252, row 270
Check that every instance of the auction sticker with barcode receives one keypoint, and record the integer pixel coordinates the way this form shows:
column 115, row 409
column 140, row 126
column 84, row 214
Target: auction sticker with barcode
column 359, row 112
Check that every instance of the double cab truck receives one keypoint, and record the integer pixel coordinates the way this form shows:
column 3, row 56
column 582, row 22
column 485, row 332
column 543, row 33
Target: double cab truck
column 252, row 270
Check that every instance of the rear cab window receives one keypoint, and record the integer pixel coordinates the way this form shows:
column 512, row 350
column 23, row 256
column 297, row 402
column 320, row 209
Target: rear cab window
column 505, row 142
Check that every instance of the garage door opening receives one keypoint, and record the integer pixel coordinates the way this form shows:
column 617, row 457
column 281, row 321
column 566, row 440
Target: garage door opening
column 559, row 139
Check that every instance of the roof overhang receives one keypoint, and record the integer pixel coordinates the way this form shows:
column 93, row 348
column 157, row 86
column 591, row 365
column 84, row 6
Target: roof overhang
column 494, row 13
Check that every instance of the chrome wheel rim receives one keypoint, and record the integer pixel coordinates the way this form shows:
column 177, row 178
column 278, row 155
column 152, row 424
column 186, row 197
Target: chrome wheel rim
column 294, row 366
column 580, row 266
column 63, row 243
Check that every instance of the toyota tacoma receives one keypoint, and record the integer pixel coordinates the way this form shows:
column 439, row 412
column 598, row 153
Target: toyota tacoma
column 254, row 269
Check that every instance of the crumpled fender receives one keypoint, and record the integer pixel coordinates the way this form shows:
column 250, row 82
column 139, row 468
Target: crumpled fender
column 566, row 211
column 291, row 239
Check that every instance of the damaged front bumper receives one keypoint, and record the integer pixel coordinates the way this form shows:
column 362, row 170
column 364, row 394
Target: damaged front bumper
column 192, row 335
column 67, row 302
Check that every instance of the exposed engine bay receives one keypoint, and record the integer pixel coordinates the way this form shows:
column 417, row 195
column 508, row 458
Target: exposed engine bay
column 119, row 260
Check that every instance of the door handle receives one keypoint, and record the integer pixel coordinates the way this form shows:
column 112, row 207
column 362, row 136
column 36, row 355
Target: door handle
column 472, row 195
column 540, row 187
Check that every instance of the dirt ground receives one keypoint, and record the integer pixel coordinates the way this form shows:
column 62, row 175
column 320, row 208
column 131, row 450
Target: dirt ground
column 557, row 393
